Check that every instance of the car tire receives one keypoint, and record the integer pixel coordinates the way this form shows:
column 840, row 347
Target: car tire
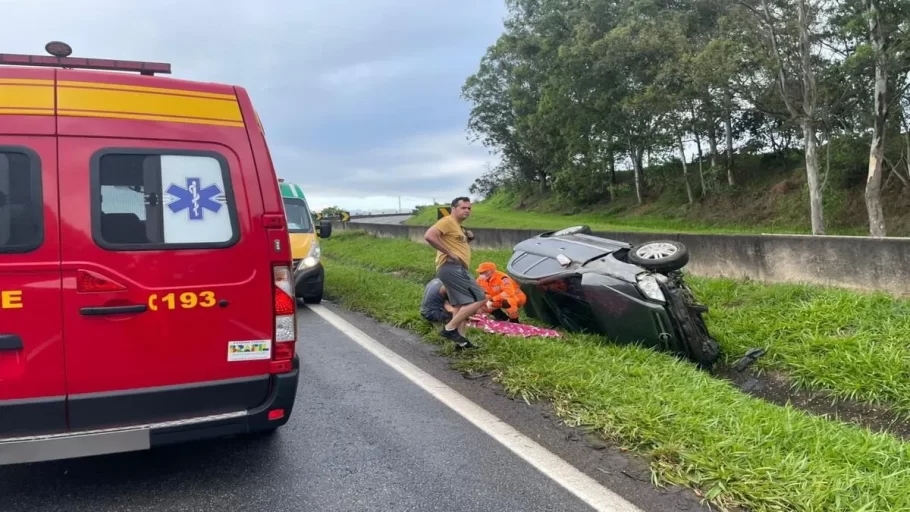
column 313, row 299
column 660, row 255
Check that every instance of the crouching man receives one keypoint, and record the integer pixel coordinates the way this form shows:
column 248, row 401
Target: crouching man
column 435, row 307
column 504, row 296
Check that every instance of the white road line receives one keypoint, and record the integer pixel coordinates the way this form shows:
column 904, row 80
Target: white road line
column 581, row 485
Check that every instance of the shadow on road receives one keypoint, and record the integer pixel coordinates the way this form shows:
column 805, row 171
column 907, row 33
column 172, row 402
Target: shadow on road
column 163, row 475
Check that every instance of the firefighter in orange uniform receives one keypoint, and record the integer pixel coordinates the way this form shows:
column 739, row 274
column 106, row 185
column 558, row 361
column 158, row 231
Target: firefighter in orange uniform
column 504, row 297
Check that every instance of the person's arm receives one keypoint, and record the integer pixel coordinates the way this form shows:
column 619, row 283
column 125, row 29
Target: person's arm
column 508, row 288
column 448, row 307
column 433, row 236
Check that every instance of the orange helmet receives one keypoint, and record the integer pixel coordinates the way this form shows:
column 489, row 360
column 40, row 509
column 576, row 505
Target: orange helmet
column 485, row 266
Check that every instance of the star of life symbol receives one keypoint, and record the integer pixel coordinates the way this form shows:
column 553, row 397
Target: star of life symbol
column 195, row 199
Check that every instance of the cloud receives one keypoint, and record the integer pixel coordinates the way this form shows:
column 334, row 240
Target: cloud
column 438, row 165
column 363, row 75
column 359, row 98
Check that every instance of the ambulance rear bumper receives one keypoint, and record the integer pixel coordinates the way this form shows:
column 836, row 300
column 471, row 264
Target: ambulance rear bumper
column 22, row 450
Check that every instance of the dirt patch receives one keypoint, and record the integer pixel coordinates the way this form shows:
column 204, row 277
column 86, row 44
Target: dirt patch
column 776, row 388
column 783, row 187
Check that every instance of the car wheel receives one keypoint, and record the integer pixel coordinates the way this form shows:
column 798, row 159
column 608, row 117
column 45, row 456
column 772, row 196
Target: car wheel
column 660, row 255
column 574, row 230
column 313, row 299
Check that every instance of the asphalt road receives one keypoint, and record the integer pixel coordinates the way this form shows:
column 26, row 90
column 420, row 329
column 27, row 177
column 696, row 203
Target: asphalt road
column 362, row 437
column 391, row 219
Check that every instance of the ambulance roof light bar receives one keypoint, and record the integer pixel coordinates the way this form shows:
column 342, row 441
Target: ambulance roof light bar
column 60, row 58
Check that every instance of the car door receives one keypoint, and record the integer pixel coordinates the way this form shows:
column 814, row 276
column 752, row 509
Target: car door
column 164, row 277
column 32, row 374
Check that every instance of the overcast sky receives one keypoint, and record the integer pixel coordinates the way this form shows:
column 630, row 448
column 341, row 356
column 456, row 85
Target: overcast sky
column 359, row 98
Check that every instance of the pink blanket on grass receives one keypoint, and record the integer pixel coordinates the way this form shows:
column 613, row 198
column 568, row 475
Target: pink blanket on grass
column 509, row 329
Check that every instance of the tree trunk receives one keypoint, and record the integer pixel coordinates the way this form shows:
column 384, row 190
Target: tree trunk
column 640, row 183
column 815, row 192
column 712, row 142
column 827, row 160
column 728, row 133
column 701, row 158
column 612, row 176
column 636, row 154
column 807, row 118
column 612, row 167
column 877, row 147
column 896, row 172
column 906, row 130
column 682, row 155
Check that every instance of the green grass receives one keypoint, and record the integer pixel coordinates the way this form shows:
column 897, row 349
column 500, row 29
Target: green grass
column 853, row 345
column 752, row 208
column 698, row 431
column 486, row 215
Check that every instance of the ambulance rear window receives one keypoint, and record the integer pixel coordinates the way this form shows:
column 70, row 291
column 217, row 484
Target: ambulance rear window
column 162, row 200
column 21, row 203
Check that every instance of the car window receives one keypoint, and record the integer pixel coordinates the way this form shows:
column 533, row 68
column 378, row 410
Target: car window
column 298, row 215
column 162, row 200
column 21, row 204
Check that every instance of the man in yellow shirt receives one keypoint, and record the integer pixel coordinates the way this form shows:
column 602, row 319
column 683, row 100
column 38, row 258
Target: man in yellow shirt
column 453, row 257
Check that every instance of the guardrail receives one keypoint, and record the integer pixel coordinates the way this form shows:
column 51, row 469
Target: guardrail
column 368, row 216
column 858, row 263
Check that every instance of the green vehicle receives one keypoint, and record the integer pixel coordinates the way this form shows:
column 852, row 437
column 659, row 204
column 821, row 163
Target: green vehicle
column 309, row 274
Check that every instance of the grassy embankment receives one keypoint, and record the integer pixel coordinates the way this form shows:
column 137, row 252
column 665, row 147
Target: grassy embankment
column 770, row 197
column 699, row 431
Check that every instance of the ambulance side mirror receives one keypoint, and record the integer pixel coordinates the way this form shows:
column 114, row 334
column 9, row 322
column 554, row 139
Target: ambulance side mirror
column 325, row 229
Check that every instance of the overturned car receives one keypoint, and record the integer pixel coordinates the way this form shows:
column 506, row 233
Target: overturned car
column 630, row 294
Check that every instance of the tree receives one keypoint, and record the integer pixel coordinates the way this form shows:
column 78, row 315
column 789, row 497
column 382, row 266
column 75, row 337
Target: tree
column 331, row 211
column 880, row 117
column 576, row 91
column 788, row 32
column 875, row 32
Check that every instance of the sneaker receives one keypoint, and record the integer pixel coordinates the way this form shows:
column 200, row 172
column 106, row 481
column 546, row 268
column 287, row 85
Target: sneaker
column 460, row 341
column 464, row 344
column 450, row 335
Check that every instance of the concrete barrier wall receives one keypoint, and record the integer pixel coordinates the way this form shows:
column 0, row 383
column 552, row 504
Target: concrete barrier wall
column 849, row 262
